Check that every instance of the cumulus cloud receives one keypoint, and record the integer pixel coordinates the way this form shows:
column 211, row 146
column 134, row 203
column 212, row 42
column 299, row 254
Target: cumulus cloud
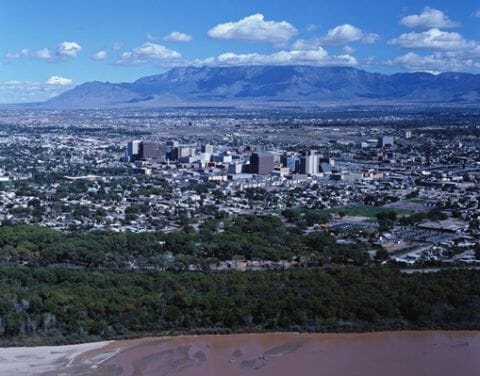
column 255, row 28
column 429, row 18
column 64, row 50
column 176, row 36
column 155, row 51
column 370, row 38
column 319, row 57
column 341, row 34
column 100, row 55
column 348, row 50
column 15, row 91
column 70, row 49
column 145, row 53
column 433, row 63
column 434, row 39
column 59, row 80
column 151, row 37
column 17, row 55
column 307, row 44
column 117, row 46
column 347, row 33
column 43, row 54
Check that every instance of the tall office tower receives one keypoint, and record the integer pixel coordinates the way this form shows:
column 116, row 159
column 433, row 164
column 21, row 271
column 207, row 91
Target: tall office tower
column 385, row 141
column 172, row 143
column 171, row 152
column 184, row 151
column 329, row 161
column 133, row 150
column 152, row 151
column 235, row 168
column 290, row 161
column 261, row 163
column 207, row 148
column 309, row 164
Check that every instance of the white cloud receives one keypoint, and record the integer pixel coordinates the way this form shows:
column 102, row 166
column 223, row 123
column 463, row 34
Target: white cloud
column 347, row 33
column 341, row 34
column 17, row 55
column 44, row 54
column 429, row 18
column 64, row 50
column 307, row 44
column 59, row 80
column 312, row 27
column 348, row 50
column 319, row 57
column 433, row 63
column 151, row 37
column 434, row 39
column 16, row 91
column 370, row 38
column 69, row 49
column 155, row 51
column 338, row 35
column 176, row 36
column 100, row 55
column 145, row 53
column 117, row 46
column 254, row 28
column 477, row 14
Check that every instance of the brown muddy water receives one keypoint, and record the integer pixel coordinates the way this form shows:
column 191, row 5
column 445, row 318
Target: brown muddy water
column 435, row 353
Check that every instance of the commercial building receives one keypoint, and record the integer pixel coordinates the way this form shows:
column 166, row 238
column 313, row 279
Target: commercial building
column 309, row 164
column 385, row 141
column 292, row 162
column 208, row 148
column 152, row 151
column 261, row 163
column 133, row 150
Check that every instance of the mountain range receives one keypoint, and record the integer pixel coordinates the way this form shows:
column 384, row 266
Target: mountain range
column 274, row 85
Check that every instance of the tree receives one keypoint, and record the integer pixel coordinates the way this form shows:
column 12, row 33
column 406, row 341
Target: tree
column 381, row 255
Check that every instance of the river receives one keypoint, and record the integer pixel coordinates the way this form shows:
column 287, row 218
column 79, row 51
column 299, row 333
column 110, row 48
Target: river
column 435, row 353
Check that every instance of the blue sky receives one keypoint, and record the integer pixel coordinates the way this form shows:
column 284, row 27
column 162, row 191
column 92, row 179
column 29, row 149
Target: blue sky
column 49, row 46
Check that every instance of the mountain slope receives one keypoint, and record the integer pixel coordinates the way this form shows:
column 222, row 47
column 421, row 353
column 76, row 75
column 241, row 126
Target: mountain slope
column 93, row 94
column 257, row 84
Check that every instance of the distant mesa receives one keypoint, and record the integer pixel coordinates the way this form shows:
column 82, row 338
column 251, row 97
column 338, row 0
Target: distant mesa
column 274, row 85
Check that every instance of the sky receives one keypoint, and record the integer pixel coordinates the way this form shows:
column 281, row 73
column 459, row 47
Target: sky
column 49, row 46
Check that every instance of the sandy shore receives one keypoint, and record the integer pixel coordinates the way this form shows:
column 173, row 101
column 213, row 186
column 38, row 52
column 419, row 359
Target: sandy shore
column 433, row 353
column 43, row 359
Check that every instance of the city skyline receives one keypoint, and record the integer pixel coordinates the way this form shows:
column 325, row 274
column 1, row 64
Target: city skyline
column 49, row 47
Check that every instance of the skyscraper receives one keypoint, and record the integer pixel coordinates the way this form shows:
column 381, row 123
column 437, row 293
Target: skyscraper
column 309, row 164
column 133, row 150
column 261, row 163
column 208, row 148
column 385, row 141
column 290, row 161
column 152, row 151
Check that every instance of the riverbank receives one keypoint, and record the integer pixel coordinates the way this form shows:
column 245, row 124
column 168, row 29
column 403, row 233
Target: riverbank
column 436, row 353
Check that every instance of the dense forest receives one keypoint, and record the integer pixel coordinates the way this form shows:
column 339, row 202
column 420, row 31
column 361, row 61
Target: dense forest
column 250, row 237
column 71, row 287
column 55, row 305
